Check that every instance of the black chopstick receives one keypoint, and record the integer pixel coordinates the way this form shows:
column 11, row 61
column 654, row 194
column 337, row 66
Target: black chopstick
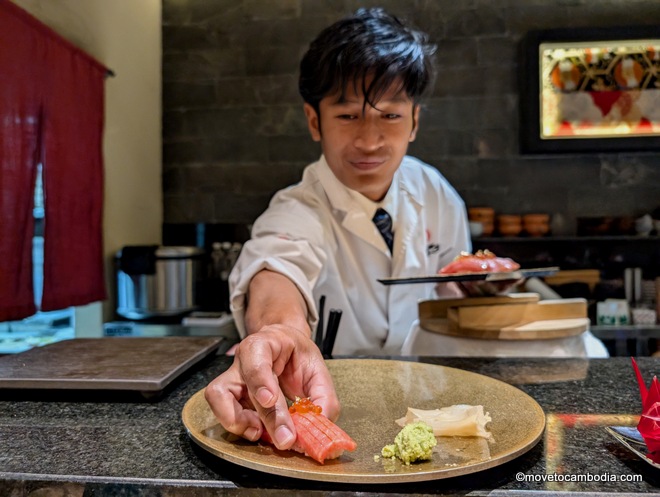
column 331, row 332
column 318, row 338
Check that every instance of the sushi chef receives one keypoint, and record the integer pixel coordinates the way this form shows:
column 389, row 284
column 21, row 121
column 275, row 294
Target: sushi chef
column 363, row 211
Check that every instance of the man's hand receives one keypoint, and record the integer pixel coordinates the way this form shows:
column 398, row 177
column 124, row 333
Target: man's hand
column 276, row 363
column 449, row 290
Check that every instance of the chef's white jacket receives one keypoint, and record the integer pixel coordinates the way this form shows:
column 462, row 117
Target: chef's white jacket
column 317, row 234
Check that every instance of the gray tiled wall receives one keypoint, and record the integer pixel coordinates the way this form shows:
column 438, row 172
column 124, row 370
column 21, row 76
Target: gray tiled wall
column 234, row 130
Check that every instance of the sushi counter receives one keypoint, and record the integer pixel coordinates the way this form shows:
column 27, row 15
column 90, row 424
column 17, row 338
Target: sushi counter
column 84, row 443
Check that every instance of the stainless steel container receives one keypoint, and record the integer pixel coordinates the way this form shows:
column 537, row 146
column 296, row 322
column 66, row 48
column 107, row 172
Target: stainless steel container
column 158, row 281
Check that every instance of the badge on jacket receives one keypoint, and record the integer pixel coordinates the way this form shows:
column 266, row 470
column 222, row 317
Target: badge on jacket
column 431, row 248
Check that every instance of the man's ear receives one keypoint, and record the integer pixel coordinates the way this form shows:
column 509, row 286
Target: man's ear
column 313, row 122
column 415, row 127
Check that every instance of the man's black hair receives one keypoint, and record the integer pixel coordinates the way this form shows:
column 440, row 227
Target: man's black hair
column 369, row 46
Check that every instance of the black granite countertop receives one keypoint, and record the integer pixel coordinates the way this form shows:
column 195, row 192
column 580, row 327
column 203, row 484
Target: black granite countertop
column 91, row 443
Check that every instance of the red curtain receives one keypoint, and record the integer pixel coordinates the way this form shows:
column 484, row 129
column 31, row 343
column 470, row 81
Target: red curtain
column 51, row 111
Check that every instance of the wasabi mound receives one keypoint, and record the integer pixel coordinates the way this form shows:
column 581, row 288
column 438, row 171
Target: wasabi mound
column 413, row 443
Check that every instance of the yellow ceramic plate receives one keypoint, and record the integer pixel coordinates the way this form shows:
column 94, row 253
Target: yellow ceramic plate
column 374, row 393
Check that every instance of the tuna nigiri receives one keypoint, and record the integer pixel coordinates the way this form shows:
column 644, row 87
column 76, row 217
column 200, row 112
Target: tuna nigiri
column 317, row 436
column 480, row 262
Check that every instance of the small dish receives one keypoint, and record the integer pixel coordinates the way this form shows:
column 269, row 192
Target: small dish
column 629, row 437
column 476, row 228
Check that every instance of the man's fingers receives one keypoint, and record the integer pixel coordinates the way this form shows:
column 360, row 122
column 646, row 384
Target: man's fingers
column 277, row 421
column 321, row 391
column 307, row 375
column 270, row 365
column 258, row 354
column 224, row 399
column 256, row 369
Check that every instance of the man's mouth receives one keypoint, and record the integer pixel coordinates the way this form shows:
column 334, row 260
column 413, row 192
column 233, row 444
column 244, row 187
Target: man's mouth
column 366, row 164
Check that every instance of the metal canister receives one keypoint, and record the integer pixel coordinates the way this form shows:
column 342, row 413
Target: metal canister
column 157, row 281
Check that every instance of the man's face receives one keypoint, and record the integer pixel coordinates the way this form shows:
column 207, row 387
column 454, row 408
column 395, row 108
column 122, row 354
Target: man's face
column 364, row 149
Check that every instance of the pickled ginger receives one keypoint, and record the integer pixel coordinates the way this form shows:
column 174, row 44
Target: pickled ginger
column 459, row 420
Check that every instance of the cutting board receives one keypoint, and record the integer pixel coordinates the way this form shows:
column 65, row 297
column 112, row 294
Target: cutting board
column 507, row 317
column 146, row 365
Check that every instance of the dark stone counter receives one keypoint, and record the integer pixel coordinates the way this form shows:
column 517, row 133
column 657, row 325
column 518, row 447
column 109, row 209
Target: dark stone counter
column 87, row 443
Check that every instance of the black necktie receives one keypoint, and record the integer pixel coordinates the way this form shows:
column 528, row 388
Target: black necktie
column 383, row 222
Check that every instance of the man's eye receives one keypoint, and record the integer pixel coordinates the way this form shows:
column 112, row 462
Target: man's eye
column 392, row 116
column 347, row 117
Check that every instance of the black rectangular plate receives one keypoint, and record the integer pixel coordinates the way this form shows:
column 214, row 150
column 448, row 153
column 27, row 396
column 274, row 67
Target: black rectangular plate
column 501, row 276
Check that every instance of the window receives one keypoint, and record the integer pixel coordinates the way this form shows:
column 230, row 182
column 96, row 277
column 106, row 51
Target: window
column 42, row 327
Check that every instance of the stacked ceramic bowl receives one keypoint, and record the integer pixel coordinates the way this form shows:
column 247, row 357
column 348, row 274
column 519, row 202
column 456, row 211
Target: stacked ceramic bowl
column 509, row 224
column 536, row 224
column 484, row 216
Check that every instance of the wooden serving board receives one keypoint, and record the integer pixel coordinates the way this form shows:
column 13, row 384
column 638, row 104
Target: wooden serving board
column 142, row 364
column 439, row 308
column 509, row 317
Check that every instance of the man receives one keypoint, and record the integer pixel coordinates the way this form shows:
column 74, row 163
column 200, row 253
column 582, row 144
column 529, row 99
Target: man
column 362, row 80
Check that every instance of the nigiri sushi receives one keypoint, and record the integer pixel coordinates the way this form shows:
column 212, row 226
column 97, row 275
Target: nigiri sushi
column 479, row 262
column 316, row 436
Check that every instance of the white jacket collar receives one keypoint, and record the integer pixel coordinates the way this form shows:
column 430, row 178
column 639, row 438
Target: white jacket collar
column 341, row 199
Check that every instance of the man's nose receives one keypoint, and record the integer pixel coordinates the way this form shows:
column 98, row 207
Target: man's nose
column 369, row 136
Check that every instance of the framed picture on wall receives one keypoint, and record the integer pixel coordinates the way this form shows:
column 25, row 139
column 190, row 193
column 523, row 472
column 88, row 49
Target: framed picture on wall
column 590, row 90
